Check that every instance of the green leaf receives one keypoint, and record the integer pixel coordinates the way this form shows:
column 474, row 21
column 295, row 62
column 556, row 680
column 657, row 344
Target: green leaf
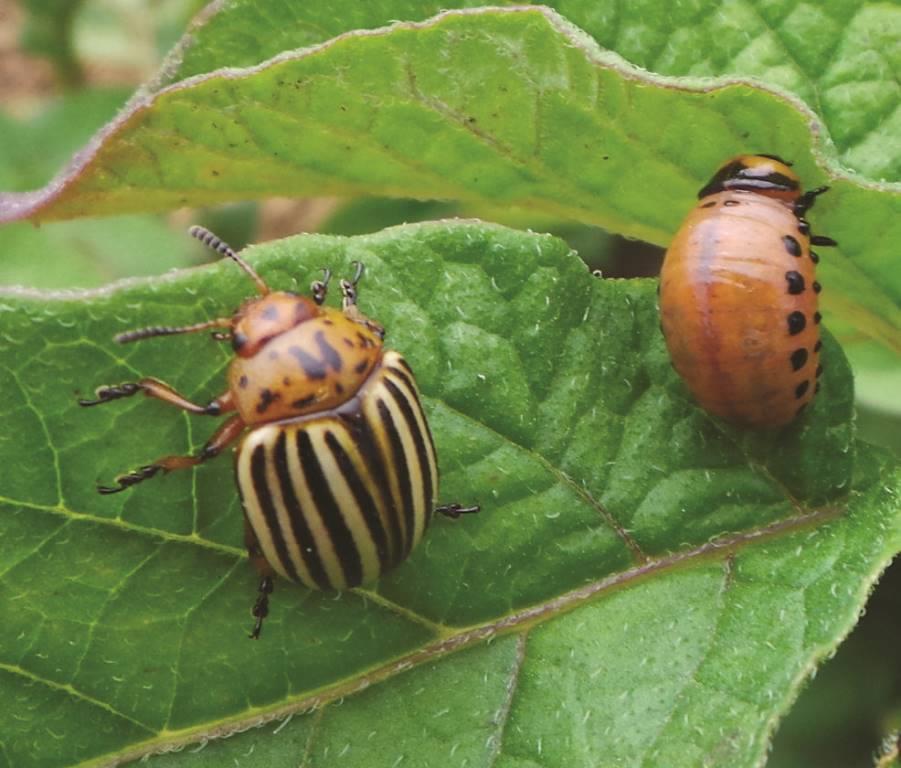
column 512, row 107
column 839, row 56
column 643, row 584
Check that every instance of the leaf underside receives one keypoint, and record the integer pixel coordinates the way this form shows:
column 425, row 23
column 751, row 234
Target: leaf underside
column 643, row 583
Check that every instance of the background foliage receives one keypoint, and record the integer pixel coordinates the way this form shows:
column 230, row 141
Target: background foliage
column 837, row 59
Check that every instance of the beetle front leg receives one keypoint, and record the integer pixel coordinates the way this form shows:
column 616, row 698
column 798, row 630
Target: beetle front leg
column 160, row 391
column 226, row 434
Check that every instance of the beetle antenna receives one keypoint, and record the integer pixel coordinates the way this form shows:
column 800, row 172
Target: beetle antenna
column 169, row 330
column 221, row 247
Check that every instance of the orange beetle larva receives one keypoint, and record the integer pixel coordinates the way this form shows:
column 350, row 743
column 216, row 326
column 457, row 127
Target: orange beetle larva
column 738, row 295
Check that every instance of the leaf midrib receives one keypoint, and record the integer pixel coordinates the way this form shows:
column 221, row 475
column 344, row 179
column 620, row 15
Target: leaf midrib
column 461, row 638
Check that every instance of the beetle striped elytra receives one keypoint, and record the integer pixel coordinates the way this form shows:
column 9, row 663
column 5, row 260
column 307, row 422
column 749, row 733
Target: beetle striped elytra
column 334, row 461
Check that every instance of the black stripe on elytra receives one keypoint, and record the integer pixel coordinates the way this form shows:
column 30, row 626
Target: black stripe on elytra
column 401, row 470
column 368, row 509
column 329, row 353
column 408, row 381
column 370, row 450
column 258, row 462
column 329, row 511
column 398, row 360
column 300, row 527
column 425, row 468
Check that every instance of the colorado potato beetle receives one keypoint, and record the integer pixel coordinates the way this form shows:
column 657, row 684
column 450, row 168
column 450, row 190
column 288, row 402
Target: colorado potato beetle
column 334, row 463
column 738, row 294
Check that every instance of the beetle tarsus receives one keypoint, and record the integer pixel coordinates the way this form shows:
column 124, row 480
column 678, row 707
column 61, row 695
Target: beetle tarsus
column 349, row 287
column 108, row 394
column 453, row 511
column 261, row 606
column 319, row 288
column 130, row 479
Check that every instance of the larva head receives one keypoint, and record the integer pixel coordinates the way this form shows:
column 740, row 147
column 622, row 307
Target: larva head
column 764, row 174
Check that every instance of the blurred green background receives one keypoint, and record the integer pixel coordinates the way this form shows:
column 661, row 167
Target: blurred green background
column 67, row 67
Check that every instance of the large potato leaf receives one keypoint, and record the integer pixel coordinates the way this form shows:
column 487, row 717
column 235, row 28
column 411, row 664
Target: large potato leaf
column 839, row 56
column 643, row 585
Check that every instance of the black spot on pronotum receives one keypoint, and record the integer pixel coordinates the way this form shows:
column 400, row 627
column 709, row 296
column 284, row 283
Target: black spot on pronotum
column 731, row 203
column 791, row 245
column 361, row 366
column 339, row 388
column 801, row 389
column 818, row 346
column 243, row 382
column 711, row 204
column 303, row 402
column 796, row 323
column 803, row 227
column 814, row 257
column 817, row 287
column 798, row 359
column 348, row 342
column 270, row 314
column 267, row 398
column 817, row 317
column 795, row 282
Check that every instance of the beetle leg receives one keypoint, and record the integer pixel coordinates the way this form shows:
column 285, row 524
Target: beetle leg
column 261, row 607
column 319, row 288
column 161, row 391
column 258, row 561
column 454, row 511
column 226, row 434
column 349, row 303
column 349, row 287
